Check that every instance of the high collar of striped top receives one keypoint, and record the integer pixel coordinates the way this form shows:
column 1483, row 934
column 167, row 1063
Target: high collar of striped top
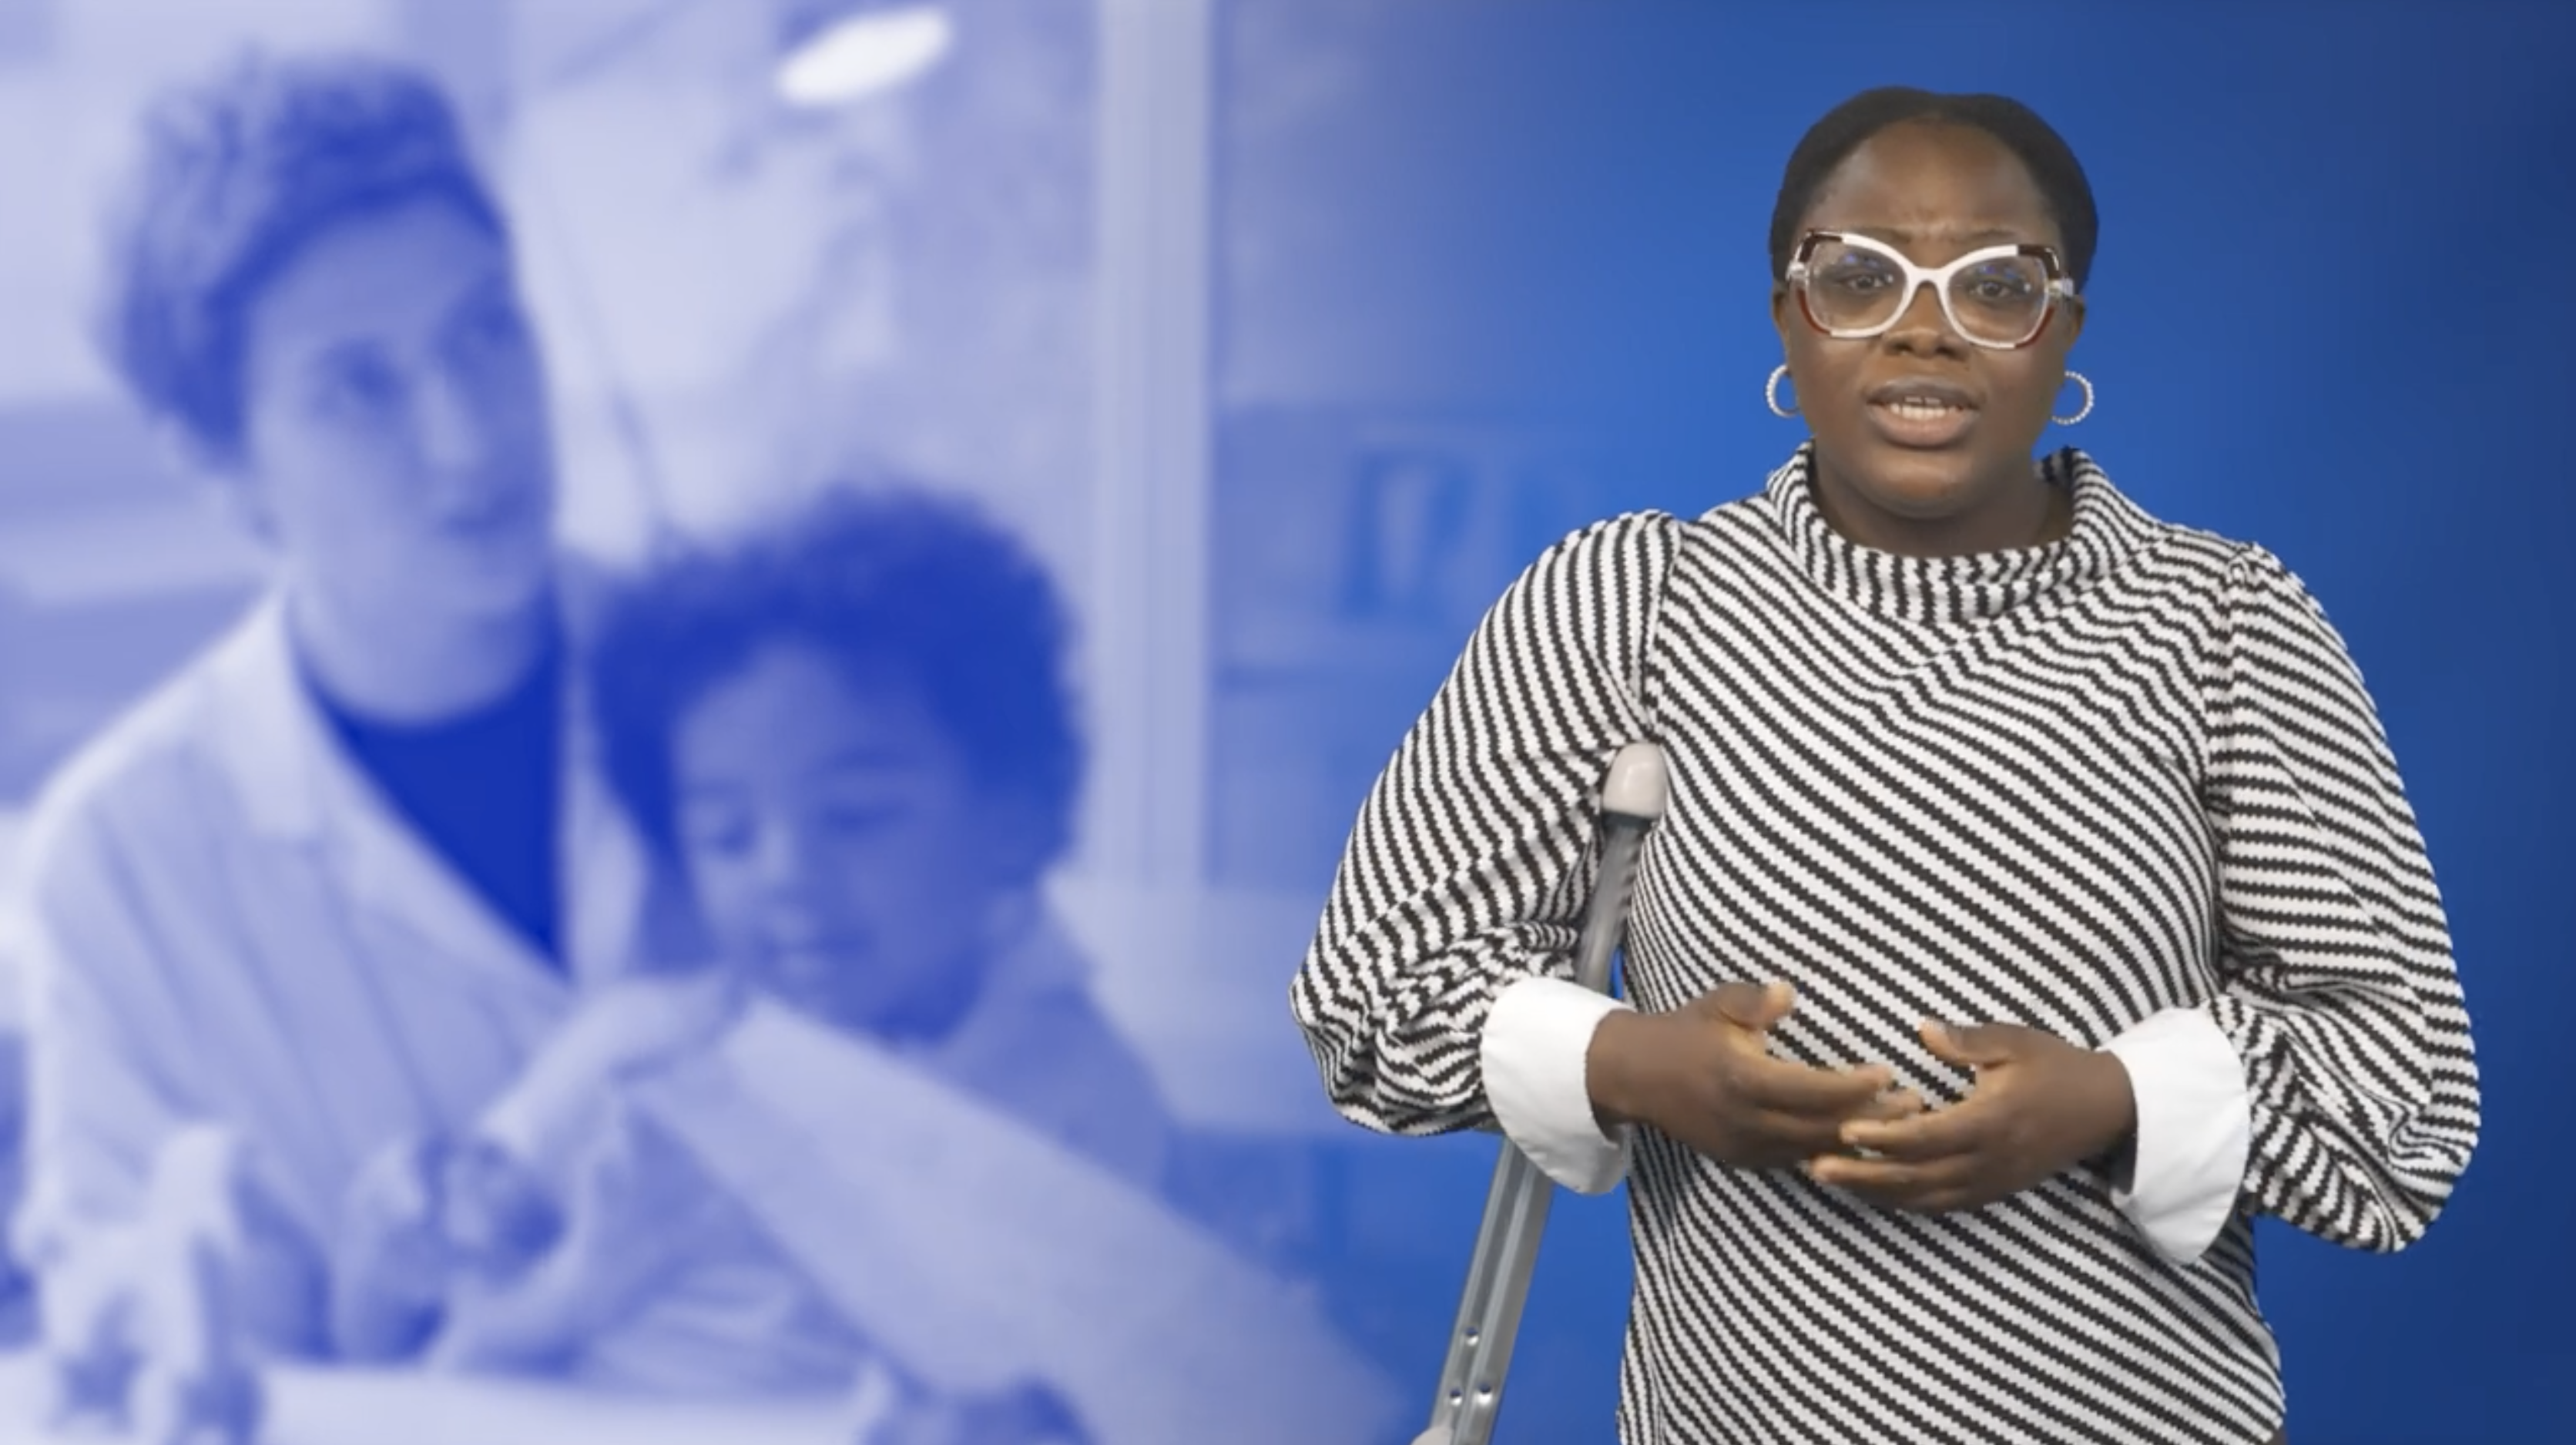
column 2107, row 528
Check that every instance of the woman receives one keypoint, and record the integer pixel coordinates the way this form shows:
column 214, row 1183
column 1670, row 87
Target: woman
column 2038, row 901
column 331, row 882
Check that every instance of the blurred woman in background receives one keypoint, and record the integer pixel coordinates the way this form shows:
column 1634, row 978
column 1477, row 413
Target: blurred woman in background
column 327, row 888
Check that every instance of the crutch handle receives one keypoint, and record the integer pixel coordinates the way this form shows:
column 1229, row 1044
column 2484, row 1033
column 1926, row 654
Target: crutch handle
column 1638, row 785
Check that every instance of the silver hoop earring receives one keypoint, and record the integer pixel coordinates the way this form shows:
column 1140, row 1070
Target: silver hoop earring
column 1771, row 393
column 2083, row 411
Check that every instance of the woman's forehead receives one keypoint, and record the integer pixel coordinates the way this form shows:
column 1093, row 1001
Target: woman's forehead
column 1933, row 186
column 398, row 271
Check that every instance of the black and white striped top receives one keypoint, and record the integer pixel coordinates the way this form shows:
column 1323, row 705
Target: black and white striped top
column 2129, row 774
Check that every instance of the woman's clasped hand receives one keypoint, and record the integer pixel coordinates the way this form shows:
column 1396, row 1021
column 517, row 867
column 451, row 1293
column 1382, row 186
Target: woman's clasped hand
column 1705, row 1075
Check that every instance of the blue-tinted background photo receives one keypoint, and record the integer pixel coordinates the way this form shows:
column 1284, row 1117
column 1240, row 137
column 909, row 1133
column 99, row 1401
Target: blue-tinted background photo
column 679, row 679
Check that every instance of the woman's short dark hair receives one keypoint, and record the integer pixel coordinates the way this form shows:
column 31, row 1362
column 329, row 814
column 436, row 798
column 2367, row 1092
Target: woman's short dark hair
column 236, row 174
column 882, row 581
column 1831, row 140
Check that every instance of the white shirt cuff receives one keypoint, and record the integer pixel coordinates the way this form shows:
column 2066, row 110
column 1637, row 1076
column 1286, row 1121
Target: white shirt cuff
column 1536, row 1039
column 2194, row 1129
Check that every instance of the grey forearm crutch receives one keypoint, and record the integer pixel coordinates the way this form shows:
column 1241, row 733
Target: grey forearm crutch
column 1498, row 1275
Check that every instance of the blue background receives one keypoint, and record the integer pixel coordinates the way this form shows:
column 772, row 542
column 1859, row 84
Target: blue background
column 2326, row 316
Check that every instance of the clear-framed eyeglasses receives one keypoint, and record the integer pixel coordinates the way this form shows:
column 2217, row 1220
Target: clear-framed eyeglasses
column 1854, row 287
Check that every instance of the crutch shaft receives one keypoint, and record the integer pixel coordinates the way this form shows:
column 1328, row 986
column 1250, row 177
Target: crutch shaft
column 1516, row 1206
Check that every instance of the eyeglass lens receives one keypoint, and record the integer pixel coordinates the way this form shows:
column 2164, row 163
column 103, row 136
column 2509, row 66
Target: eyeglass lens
column 2000, row 300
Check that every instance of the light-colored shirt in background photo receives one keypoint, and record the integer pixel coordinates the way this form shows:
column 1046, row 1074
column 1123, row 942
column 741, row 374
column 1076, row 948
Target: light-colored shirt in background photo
column 224, row 921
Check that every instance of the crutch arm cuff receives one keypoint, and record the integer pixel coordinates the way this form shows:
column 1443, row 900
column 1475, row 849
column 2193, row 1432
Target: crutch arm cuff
column 1536, row 1040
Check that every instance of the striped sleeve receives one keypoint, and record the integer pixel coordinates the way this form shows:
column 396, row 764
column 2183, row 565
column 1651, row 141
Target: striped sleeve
column 2341, row 998
column 1473, row 854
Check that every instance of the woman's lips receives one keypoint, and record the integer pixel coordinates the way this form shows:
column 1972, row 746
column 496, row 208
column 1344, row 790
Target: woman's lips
column 1921, row 415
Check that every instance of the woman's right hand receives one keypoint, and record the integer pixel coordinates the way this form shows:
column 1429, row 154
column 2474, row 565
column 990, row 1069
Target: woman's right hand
column 1703, row 1074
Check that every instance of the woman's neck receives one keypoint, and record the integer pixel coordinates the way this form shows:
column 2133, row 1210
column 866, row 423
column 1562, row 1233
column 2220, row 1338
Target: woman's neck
column 2024, row 512
column 415, row 667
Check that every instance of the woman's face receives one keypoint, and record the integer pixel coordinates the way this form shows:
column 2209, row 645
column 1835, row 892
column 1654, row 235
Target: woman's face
column 1960, row 483
column 836, row 839
column 396, row 446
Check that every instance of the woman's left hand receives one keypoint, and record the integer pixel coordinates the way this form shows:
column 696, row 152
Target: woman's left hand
column 2040, row 1106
